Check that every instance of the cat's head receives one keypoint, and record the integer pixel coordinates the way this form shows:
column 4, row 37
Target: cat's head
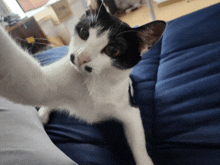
column 102, row 41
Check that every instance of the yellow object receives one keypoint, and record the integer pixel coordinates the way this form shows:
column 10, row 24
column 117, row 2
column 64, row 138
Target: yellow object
column 30, row 40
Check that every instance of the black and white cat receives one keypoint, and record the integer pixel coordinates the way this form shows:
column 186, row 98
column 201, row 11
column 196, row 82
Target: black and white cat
column 91, row 81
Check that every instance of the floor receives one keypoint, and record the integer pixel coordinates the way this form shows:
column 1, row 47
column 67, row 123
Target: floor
column 166, row 13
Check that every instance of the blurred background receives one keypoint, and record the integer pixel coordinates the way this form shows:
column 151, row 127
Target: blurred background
column 39, row 25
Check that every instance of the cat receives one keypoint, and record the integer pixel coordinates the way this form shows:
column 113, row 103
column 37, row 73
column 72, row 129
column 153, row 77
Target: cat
column 91, row 81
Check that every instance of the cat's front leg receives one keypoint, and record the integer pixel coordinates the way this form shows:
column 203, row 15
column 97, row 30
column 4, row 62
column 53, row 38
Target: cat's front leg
column 134, row 132
column 22, row 79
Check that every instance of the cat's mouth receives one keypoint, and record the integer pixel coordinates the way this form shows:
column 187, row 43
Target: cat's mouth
column 72, row 58
column 80, row 64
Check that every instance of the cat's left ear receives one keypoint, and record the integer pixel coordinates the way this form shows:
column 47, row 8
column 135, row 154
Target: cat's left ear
column 150, row 33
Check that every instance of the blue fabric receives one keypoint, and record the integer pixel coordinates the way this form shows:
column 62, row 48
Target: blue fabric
column 176, row 85
column 180, row 77
column 52, row 55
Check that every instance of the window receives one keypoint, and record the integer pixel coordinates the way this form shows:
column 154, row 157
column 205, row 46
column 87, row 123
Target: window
column 28, row 11
column 28, row 5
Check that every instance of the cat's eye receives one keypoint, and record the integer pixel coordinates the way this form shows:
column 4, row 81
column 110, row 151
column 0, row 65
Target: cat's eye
column 83, row 33
column 111, row 51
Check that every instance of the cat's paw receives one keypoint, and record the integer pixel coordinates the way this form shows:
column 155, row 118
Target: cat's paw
column 144, row 161
column 149, row 162
column 44, row 114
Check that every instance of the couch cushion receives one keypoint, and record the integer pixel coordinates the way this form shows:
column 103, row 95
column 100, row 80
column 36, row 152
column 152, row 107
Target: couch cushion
column 193, row 30
column 184, row 125
column 144, row 77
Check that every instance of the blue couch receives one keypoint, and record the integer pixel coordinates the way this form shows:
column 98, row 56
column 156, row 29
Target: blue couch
column 177, row 87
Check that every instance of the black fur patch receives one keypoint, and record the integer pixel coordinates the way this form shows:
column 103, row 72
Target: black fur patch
column 72, row 58
column 131, row 97
column 88, row 69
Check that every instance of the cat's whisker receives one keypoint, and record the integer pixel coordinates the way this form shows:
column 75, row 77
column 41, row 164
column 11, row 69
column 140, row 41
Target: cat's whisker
column 118, row 27
column 41, row 39
column 85, row 82
column 128, row 31
column 92, row 88
column 99, row 10
column 29, row 50
column 110, row 30
column 92, row 16
column 17, row 38
column 94, row 79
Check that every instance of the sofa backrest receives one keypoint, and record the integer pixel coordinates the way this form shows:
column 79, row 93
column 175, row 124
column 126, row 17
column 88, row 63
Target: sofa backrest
column 177, row 85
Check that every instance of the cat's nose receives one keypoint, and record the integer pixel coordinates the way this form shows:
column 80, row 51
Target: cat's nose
column 83, row 59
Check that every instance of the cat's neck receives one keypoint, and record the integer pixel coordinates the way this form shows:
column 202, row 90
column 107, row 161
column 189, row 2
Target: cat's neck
column 111, row 76
column 110, row 86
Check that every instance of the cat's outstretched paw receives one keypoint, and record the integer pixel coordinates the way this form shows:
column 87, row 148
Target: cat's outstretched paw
column 44, row 114
column 145, row 161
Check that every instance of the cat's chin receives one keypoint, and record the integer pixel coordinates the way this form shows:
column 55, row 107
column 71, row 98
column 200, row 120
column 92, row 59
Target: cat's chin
column 75, row 66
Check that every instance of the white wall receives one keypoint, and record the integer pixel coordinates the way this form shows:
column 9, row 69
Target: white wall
column 3, row 9
column 16, row 9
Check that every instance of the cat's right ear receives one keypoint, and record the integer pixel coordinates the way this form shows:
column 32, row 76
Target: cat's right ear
column 150, row 33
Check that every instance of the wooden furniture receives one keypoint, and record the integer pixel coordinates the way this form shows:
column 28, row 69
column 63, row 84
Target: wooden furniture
column 151, row 8
column 29, row 35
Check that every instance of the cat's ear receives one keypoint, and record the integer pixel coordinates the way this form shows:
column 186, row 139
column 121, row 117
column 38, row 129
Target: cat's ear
column 150, row 33
column 97, row 5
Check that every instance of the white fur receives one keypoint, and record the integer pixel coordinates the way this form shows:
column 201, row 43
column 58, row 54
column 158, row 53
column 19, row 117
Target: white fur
column 94, row 97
